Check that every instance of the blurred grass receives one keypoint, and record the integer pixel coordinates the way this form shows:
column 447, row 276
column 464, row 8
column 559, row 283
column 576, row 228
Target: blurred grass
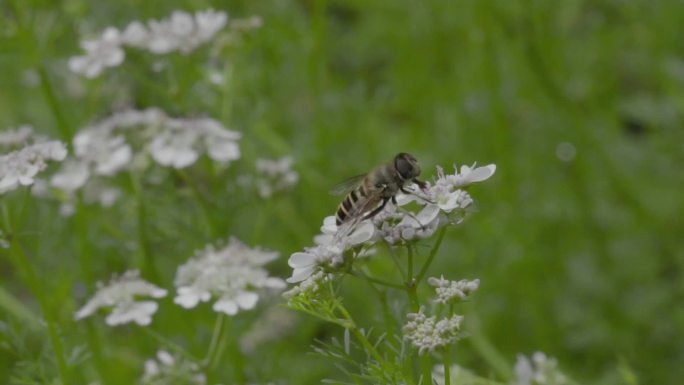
column 581, row 259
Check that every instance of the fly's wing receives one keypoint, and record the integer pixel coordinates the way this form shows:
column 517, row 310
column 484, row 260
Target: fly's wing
column 347, row 185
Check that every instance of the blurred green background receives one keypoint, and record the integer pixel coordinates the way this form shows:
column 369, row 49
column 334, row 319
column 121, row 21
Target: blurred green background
column 580, row 104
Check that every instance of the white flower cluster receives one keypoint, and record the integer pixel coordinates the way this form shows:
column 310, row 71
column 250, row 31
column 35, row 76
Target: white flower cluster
column 449, row 291
column 309, row 286
column 233, row 274
column 103, row 149
column 181, row 32
column 167, row 369
column 541, row 370
column 120, row 295
column 19, row 168
column 391, row 225
column 15, row 137
column 274, row 175
column 329, row 251
column 428, row 333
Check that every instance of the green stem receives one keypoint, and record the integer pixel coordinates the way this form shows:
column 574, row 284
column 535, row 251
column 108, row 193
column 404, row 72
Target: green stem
column 53, row 102
column 447, row 366
column 168, row 343
column 432, row 255
column 207, row 208
column 219, row 326
column 362, row 275
column 359, row 336
column 411, row 285
column 148, row 265
column 24, row 264
column 426, row 365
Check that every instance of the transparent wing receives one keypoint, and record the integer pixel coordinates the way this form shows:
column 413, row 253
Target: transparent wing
column 347, row 185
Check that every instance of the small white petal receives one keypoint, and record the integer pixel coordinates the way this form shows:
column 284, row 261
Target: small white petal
column 247, row 299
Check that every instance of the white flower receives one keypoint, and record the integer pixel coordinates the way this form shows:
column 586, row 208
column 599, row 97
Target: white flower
column 466, row 176
column 275, row 175
column 178, row 144
column 100, row 147
column 120, row 295
column 100, row 54
column 447, row 291
column 233, row 274
column 541, row 370
column 305, row 263
column 71, row 177
column 169, row 369
column 13, row 137
column 21, row 166
column 428, row 333
column 342, row 237
column 308, row 286
column 180, row 32
column 174, row 149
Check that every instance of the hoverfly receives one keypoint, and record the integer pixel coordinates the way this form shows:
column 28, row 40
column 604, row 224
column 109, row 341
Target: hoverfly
column 367, row 194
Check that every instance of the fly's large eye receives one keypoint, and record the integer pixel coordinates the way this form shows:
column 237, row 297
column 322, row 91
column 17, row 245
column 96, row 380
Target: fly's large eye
column 406, row 166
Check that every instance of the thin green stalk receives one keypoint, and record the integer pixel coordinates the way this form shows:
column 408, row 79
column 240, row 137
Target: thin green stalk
column 216, row 335
column 359, row 336
column 207, row 208
column 432, row 255
column 426, row 365
column 168, row 343
column 447, row 366
column 53, row 102
column 148, row 265
column 395, row 259
column 24, row 264
column 411, row 286
column 362, row 275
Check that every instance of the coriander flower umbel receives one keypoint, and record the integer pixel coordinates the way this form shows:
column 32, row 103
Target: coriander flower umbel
column 449, row 291
column 169, row 369
column 329, row 251
column 541, row 370
column 428, row 333
column 20, row 167
column 15, row 137
column 275, row 175
column 182, row 32
column 99, row 54
column 120, row 294
column 233, row 274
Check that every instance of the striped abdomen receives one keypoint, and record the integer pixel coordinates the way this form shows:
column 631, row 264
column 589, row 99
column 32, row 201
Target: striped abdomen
column 352, row 205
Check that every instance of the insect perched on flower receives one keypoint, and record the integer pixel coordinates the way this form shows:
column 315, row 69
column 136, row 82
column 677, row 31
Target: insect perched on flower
column 367, row 194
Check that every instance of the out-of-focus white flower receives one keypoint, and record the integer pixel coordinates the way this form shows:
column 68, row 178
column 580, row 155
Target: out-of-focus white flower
column 458, row 374
column 99, row 54
column 541, row 370
column 120, row 294
column 179, row 142
column 234, row 274
column 174, row 149
column 428, row 333
column 247, row 24
column 448, row 291
column 21, row 166
column 180, row 32
column 16, row 137
column 71, row 177
column 106, row 152
column 275, row 175
column 169, row 369
column 273, row 325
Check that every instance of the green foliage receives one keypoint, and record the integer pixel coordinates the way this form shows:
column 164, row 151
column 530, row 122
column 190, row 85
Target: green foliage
column 577, row 242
